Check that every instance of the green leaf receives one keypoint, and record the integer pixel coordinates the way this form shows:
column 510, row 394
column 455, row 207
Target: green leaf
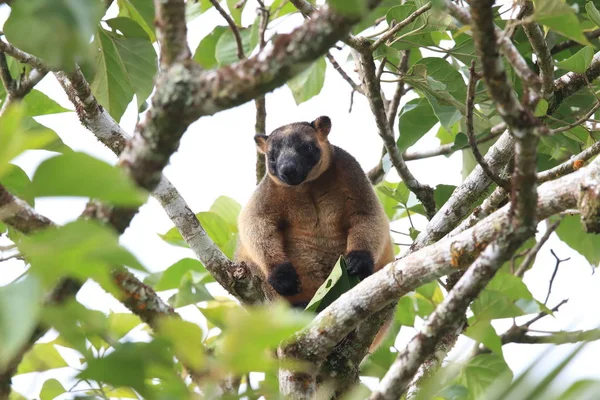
column 583, row 389
column 190, row 292
column 81, row 249
column 228, row 209
column 42, row 357
column 63, row 29
column 186, row 339
column 484, row 332
column 405, row 311
column 142, row 12
column 16, row 137
column 124, row 66
column 226, row 51
column 308, row 83
column 78, row 174
column 593, row 13
column 205, row 54
column 51, row 389
column 571, row 232
column 422, row 30
column 560, row 17
column 126, row 27
column 244, row 344
column 38, row 103
column 482, row 371
column 193, row 9
column 442, row 193
column 337, row 283
column 17, row 182
column 442, row 71
column 20, row 305
column 351, row 8
column 579, row 61
column 136, row 365
column 541, row 108
column 236, row 12
column 171, row 277
column 216, row 228
column 120, row 324
column 416, row 119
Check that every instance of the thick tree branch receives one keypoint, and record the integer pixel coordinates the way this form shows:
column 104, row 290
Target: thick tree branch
column 373, row 91
column 544, row 58
column 23, row 57
column 171, row 31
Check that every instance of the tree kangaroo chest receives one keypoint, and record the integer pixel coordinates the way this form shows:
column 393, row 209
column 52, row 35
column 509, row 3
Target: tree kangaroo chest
column 315, row 233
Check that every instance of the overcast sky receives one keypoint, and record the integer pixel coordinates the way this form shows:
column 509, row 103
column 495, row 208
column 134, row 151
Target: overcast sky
column 217, row 157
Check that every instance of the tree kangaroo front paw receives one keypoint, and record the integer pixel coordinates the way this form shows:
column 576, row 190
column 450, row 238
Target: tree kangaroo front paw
column 284, row 279
column 360, row 263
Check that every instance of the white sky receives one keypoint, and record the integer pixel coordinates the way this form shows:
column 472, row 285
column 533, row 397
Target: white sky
column 217, row 157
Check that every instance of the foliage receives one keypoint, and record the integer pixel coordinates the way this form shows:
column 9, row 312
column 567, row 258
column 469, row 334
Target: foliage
column 118, row 57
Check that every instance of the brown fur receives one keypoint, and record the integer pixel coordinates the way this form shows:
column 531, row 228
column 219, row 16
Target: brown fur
column 333, row 212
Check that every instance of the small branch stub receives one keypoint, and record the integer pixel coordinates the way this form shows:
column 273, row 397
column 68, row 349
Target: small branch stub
column 589, row 204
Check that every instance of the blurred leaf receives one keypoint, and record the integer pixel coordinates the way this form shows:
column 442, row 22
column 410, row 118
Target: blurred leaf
column 17, row 182
column 593, row 13
column 216, row 312
column 559, row 17
column 80, row 249
column 352, row 8
column 193, row 9
column 126, row 27
column 190, row 292
column 51, row 389
column 20, row 304
column 482, row 371
column 337, row 283
column 78, row 174
column 205, row 54
column 583, row 389
column 186, row 339
column 38, row 103
column 416, row 119
column 142, row 12
column 172, row 276
column 16, row 138
column 541, row 108
column 571, row 232
column 243, row 345
column 579, row 61
column 120, row 324
column 65, row 24
column 309, row 82
column 132, row 364
column 42, row 357
column 484, row 332
column 236, row 12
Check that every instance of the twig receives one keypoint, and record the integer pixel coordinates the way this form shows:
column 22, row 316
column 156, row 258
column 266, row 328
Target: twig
column 573, row 164
column 558, row 262
column 532, row 253
column 260, row 102
column 380, row 69
column 396, row 28
column 570, row 43
column 544, row 314
column 399, row 92
column 503, row 183
column 232, row 26
column 355, row 87
column 578, row 122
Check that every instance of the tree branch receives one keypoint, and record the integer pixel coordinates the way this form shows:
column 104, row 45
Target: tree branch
column 373, row 90
column 232, row 26
column 171, row 32
column 570, row 43
column 571, row 82
column 503, row 183
column 555, row 338
column 544, row 58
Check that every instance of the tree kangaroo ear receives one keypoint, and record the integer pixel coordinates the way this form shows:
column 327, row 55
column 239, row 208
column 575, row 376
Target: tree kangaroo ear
column 322, row 125
column 261, row 143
